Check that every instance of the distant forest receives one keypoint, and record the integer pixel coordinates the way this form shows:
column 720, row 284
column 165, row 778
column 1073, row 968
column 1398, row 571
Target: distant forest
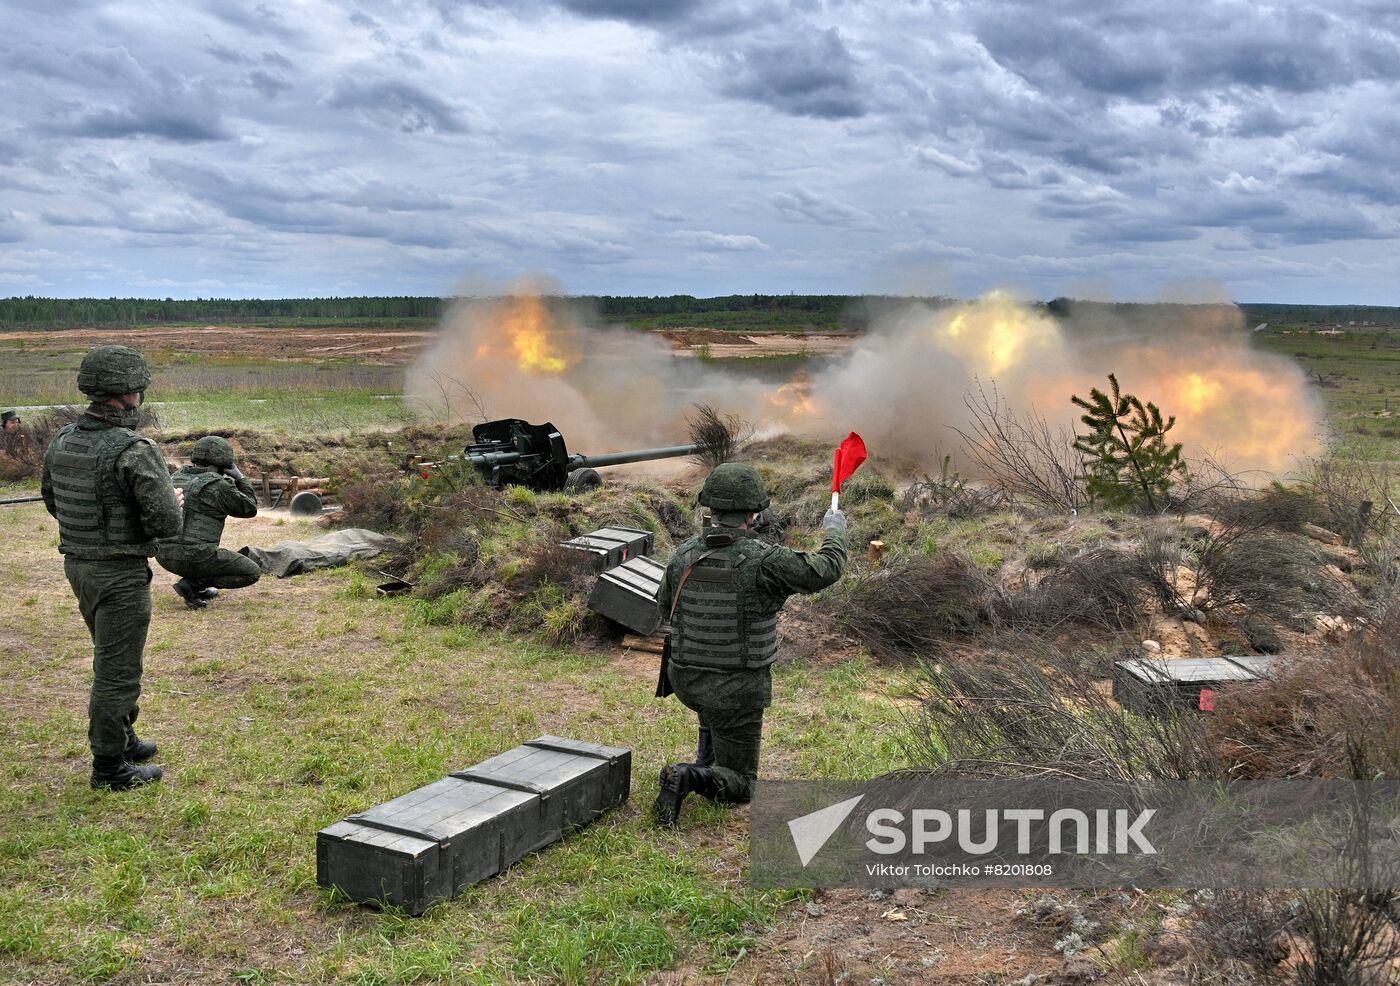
column 746, row 311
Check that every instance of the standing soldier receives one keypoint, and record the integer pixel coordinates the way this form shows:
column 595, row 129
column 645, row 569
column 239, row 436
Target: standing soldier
column 722, row 592
column 214, row 489
column 110, row 490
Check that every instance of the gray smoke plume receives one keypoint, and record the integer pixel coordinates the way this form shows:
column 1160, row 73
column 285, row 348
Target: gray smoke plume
column 902, row 384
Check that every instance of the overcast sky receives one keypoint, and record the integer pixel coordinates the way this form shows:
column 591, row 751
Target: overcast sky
column 1096, row 149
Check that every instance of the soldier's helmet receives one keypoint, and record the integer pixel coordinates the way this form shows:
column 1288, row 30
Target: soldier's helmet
column 211, row 450
column 732, row 487
column 111, row 371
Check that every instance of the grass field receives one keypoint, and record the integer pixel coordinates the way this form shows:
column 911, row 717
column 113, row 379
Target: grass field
column 1359, row 376
column 288, row 706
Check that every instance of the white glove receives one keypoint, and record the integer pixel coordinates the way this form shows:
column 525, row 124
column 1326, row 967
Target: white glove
column 234, row 472
column 834, row 520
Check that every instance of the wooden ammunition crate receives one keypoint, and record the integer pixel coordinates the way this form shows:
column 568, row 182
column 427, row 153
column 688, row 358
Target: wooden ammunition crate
column 433, row 843
column 611, row 546
column 627, row 594
column 1148, row 686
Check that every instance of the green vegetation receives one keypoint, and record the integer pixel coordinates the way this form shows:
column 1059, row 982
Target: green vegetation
column 298, row 702
column 1128, row 460
column 1358, row 378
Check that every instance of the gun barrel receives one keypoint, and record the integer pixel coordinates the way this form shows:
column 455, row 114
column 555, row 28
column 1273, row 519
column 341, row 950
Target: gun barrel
column 493, row 458
column 20, row 499
column 622, row 458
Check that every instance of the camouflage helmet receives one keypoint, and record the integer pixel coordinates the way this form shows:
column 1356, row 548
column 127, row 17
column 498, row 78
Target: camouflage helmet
column 111, row 371
column 732, row 487
column 211, row 450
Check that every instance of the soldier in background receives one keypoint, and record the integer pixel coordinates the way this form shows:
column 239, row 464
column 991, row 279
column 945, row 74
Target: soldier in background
column 215, row 489
column 721, row 593
column 110, row 490
column 10, row 422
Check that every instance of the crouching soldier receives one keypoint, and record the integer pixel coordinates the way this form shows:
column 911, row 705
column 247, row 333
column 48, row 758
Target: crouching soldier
column 215, row 489
column 722, row 592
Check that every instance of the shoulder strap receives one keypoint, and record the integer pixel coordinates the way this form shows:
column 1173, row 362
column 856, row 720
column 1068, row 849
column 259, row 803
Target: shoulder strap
column 676, row 599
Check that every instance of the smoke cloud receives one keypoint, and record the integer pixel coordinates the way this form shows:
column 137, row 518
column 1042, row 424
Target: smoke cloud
column 902, row 384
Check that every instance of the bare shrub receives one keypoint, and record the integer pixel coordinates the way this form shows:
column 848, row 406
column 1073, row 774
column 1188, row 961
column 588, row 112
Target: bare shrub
column 1019, row 706
column 915, row 603
column 570, row 570
column 1235, row 570
column 950, row 495
column 1330, row 716
column 1105, row 588
column 1277, row 507
column 1345, row 486
column 372, row 502
column 1022, row 454
column 718, row 435
column 1260, row 570
column 1247, row 926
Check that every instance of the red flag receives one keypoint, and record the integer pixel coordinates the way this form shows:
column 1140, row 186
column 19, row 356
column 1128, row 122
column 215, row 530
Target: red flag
column 849, row 456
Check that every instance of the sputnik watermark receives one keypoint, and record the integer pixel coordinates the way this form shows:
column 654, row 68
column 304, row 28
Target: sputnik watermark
column 924, row 831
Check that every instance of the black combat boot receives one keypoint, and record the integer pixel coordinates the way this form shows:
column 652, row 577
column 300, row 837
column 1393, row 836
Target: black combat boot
column 116, row 774
column 187, row 592
column 678, row 780
column 705, row 749
column 137, row 749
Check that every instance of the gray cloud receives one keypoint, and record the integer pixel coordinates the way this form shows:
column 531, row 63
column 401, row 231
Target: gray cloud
column 268, row 83
column 173, row 124
column 648, row 12
column 720, row 146
column 806, row 76
column 395, row 104
column 803, row 206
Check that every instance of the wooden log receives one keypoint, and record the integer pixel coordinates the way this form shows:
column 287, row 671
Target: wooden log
column 652, row 645
column 1321, row 534
column 877, row 552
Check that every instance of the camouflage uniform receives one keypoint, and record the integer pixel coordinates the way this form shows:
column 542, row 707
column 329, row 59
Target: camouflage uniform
column 110, row 491
column 211, row 496
column 724, row 635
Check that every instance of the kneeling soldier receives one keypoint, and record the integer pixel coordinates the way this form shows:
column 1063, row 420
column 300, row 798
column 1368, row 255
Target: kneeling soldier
column 214, row 490
column 722, row 592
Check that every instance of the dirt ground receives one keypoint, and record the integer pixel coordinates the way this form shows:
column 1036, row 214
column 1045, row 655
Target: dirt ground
column 396, row 347
column 730, row 345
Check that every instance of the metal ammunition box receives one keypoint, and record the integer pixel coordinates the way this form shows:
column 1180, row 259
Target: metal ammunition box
column 433, row 843
column 627, row 594
column 1149, row 686
column 612, row 546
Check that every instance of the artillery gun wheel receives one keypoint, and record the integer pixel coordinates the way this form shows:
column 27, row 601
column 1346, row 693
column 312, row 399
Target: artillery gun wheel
column 582, row 480
column 305, row 504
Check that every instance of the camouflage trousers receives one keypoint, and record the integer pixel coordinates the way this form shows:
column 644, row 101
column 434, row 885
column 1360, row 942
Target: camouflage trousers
column 114, row 597
column 736, row 735
column 209, row 567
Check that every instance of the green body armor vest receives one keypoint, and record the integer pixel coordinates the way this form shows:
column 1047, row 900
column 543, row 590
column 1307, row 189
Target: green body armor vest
column 203, row 525
column 718, row 621
column 95, row 519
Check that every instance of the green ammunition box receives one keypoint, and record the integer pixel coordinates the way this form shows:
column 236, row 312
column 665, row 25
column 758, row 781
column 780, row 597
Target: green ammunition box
column 611, row 546
column 1154, row 685
column 431, row 844
column 627, row 594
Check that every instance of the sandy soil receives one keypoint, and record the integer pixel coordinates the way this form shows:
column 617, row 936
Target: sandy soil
column 729, row 345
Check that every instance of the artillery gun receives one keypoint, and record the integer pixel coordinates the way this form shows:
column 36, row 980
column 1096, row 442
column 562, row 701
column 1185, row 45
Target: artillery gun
column 512, row 452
